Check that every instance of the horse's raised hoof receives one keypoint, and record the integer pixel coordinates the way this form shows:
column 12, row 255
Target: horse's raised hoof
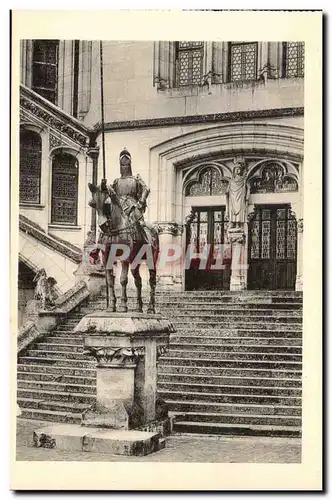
column 122, row 309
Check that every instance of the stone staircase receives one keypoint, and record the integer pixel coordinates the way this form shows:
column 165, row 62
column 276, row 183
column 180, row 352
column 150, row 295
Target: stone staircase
column 55, row 381
column 233, row 367
column 234, row 364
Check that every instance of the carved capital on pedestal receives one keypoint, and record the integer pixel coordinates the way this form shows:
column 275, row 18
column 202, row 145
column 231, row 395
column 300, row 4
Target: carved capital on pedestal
column 300, row 226
column 115, row 355
column 172, row 228
column 236, row 235
column 93, row 152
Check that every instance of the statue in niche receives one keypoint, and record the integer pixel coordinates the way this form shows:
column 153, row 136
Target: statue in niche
column 237, row 195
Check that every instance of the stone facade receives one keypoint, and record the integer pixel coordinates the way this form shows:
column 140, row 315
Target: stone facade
column 174, row 133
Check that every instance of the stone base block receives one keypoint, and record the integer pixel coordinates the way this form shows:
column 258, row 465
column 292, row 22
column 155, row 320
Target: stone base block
column 117, row 415
column 69, row 437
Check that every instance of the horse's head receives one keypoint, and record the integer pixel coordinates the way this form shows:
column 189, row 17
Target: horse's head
column 103, row 200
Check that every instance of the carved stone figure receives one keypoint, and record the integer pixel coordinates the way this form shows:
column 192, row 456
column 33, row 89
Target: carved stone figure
column 45, row 289
column 237, row 195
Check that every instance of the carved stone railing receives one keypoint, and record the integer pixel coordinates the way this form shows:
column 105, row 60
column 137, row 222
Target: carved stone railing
column 48, row 319
column 54, row 243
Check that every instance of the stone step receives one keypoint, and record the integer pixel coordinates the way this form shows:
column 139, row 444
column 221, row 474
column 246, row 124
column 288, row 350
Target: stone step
column 242, row 390
column 237, row 429
column 208, row 407
column 65, row 339
column 199, row 314
column 283, row 342
column 56, row 377
column 223, row 355
column 235, row 347
column 237, row 332
column 77, row 356
column 180, row 378
column 52, row 405
column 213, row 305
column 56, row 361
column 71, row 348
column 235, row 371
column 56, row 395
column 270, row 326
column 238, row 318
column 226, row 363
column 231, row 418
column 87, row 373
column 172, row 395
column 56, row 386
column 51, row 416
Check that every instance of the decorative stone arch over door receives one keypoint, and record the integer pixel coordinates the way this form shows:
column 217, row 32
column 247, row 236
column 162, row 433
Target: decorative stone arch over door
column 171, row 161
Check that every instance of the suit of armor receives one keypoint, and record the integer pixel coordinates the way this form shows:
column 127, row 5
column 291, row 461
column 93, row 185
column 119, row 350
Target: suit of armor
column 132, row 192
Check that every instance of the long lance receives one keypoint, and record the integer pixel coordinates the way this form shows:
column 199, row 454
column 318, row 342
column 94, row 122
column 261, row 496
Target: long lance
column 104, row 181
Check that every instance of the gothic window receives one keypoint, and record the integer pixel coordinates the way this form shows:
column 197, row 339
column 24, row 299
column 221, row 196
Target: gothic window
column 209, row 183
column 64, row 189
column 30, row 166
column 242, row 61
column 45, row 68
column 273, row 180
column 293, row 59
column 189, row 63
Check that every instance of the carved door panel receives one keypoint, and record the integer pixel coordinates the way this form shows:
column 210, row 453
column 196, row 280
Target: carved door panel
column 272, row 248
column 206, row 236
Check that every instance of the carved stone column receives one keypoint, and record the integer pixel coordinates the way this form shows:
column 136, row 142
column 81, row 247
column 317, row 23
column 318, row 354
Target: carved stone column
column 170, row 262
column 299, row 274
column 236, row 237
column 125, row 347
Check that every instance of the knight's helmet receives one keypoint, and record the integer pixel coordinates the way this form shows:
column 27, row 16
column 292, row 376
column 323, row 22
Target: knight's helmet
column 125, row 163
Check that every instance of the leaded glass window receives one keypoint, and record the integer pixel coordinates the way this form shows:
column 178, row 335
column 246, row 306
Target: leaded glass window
column 243, row 61
column 293, row 59
column 30, row 166
column 45, row 68
column 64, row 189
column 210, row 183
column 189, row 67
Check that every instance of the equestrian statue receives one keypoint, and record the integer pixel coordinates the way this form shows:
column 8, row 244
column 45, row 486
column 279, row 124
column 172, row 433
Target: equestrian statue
column 120, row 208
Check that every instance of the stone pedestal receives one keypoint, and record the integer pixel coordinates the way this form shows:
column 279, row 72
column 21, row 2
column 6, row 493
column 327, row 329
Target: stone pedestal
column 236, row 237
column 127, row 418
column 126, row 347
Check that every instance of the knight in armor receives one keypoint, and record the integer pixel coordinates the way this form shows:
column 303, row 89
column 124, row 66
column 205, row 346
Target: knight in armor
column 132, row 192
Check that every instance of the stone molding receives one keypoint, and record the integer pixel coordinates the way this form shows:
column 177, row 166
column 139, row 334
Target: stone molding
column 237, row 116
column 67, row 249
column 54, row 117
column 173, row 228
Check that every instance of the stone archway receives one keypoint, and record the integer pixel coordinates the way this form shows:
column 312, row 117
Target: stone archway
column 171, row 160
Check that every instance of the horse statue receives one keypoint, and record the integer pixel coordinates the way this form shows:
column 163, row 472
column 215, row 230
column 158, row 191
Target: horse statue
column 120, row 220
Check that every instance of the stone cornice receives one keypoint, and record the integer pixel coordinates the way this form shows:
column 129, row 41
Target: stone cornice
column 68, row 250
column 54, row 117
column 199, row 119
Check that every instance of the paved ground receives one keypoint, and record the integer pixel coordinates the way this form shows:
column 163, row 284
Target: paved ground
column 179, row 448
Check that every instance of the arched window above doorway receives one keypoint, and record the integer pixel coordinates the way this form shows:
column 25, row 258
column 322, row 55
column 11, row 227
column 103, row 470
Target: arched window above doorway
column 273, row 178
column 207, row 181
column 30, row 166
column 64, row 189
